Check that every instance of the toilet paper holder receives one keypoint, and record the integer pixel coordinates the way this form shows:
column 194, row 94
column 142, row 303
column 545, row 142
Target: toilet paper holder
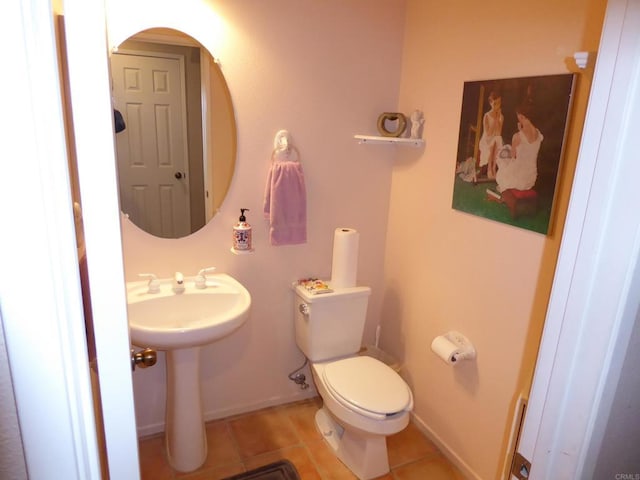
column 461, row 348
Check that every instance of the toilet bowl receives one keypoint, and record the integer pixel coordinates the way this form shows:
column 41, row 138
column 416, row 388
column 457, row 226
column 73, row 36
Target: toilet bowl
column 363, row 401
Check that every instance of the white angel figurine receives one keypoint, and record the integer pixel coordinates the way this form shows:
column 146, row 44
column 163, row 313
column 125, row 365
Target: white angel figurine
column 417, row 119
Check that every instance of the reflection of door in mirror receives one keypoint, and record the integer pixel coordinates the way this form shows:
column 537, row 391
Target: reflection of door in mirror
column 157, row 89
column 151, row 140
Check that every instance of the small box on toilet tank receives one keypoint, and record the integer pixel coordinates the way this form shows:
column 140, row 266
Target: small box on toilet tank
column 330, row 325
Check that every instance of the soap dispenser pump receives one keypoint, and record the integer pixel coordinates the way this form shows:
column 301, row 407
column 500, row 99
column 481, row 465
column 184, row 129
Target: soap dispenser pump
column 242, row 234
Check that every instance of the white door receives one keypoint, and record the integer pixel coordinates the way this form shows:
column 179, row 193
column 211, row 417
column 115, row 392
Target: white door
column 90, row 98
column 149, row 91
column 595, row 296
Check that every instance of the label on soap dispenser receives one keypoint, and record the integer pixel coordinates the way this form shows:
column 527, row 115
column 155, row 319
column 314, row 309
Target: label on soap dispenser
column 242, row 233
column 242, row 237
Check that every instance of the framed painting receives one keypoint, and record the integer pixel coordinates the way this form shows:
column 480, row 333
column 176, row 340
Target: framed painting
column 510, row 145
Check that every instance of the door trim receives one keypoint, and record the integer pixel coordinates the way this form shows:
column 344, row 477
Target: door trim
column 42, row 314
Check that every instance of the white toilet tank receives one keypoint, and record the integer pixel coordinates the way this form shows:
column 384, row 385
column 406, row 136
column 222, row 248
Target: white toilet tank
column 330, row 325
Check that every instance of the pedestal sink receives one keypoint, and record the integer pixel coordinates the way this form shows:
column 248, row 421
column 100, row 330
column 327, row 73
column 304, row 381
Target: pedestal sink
column 180, row 322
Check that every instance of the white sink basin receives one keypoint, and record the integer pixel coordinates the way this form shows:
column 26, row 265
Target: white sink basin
column 167, row 320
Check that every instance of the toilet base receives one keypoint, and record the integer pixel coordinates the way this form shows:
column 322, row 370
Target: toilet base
column 364, row 454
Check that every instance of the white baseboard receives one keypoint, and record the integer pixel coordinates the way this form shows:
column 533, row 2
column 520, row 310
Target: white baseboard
column 150, row 429
column 155, row 428
column 446, row 450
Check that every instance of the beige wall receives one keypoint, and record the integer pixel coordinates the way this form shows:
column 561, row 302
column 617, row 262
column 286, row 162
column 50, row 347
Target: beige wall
column 324, row 71
column 450, row 270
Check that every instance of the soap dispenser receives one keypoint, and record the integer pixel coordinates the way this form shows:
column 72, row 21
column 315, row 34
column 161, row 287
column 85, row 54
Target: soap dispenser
column 242, row 234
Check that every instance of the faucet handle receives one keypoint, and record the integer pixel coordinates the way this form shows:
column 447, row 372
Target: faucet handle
column 154, row 284
column 201, row 278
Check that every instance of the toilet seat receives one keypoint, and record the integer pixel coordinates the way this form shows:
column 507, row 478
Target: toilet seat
column 367, row 386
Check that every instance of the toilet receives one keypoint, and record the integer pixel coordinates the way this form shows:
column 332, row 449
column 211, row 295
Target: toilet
column 364, row 400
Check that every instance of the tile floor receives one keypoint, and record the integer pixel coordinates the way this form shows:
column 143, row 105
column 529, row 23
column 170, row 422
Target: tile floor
column 244, row 442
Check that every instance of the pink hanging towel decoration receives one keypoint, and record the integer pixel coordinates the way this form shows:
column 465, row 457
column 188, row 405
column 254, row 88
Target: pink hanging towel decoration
column 285, row 198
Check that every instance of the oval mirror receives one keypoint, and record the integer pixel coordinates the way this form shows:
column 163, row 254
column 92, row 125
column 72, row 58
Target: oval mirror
column 175, row 132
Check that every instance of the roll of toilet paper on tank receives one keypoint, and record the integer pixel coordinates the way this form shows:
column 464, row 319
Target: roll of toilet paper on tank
column 445, row 349
column 344, row 267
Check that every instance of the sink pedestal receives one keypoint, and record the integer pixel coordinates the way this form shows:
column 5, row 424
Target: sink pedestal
column 185, row 434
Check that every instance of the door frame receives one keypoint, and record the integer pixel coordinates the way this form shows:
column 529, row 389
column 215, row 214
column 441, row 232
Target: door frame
column 41, row 303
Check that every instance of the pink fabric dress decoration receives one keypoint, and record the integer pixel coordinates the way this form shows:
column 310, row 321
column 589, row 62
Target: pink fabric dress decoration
column 285, row 201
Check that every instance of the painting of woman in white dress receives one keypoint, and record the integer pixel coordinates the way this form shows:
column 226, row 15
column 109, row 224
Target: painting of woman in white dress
column 510, row 145
column 518, row 163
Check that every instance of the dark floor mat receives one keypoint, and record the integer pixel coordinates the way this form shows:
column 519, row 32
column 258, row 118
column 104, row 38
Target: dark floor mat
column 282, row 470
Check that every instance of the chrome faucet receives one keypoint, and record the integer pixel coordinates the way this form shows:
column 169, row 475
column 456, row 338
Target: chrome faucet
column 178, row 282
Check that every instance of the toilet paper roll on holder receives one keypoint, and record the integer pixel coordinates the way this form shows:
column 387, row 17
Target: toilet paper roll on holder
column 464, row 348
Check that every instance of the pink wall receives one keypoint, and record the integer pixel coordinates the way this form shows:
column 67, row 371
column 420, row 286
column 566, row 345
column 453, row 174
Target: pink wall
column 488, row 280
column 324, row 71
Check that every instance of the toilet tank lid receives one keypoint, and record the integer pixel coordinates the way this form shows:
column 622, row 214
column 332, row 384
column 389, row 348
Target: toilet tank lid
column 336, row 294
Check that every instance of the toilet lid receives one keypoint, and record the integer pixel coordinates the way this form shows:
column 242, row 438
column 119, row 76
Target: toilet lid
column 367, row 384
